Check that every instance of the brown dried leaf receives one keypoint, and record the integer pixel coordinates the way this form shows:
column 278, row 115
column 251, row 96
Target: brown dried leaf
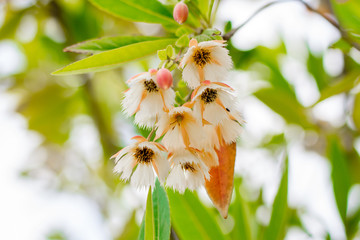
column 221, row 183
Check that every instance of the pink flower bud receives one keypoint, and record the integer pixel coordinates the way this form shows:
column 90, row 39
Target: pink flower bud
column 164, row 78
column 152, row 71
column 181, row 12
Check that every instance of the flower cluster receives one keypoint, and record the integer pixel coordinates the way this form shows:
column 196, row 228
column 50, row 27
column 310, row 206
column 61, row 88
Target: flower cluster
column 190, row 134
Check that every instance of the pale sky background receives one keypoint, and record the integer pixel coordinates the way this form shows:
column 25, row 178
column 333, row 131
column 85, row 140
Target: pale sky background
column 29, row 210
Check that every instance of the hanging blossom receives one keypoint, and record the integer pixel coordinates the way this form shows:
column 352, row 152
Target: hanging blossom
column 215, row 102
column 147, row 157
column 191, row 133
column 187, row 170
column 206, row 60
column 180, row 128
column 146, row 99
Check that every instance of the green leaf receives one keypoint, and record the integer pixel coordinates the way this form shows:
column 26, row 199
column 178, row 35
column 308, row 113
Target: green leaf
column 142, row 229
column 183, row 41
column 190, row 219
column 107, row 43
column 285, row 104
column 228, row 26
column 316, row 68
column 182, row 31
column 150, row 11
column 131, row 229
column 342, row 45
column 343, row 85
column 149, row 218
column 239, row 210
column 161, row 213
column 209, row 34
column 170, row 51
column 156, row 220
column 113, row 58
column 352, row 224
column 356, row 111
column 203, row 5
column 348, row 15
column 162, row 54
column 279, row 215
column 340, row 175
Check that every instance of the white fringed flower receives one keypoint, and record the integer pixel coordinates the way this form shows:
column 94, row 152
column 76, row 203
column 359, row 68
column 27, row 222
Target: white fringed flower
column 215, row 104
column 230, row 129
column 187, row 171
column 180, row 129
column 213, row 101
column 208, row 60
column 147, row 156
column 146, row 99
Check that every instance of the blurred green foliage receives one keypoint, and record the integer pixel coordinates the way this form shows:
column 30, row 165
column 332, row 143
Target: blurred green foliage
column 52, row 105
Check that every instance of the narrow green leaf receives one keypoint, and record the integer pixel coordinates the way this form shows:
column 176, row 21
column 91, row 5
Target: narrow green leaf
column 190, row 219
column 228, row 26
column 239, row 210
column 203, row 6
column 356, row 111
column 285, row 104
column 151, row 11
column 276, row 228
column 107, row 43
column 352, row 224
column 161, row 213
column 340, row 175
column 316, row 68
column 113, row 58
column 142, row 229
column 343, row 85
column 149, row 218
column 131, row 229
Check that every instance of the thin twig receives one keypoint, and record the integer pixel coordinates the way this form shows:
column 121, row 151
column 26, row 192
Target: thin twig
column 344, row 34
column 151, row 133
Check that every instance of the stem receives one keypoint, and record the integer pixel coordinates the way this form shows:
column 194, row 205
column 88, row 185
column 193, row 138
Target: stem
column 344, row 34
column 106, row 138
column 151, row 133
column 210, row 10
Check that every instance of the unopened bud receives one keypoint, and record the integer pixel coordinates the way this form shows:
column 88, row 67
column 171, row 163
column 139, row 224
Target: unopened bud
column 181, row 12
column 152, row 71
column 164, row 78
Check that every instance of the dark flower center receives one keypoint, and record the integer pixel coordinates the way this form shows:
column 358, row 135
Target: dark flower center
column 201, row 57
column 150, row 86
column 188, row 167
column 179, row 117
column 144, row 155
column 209, row 95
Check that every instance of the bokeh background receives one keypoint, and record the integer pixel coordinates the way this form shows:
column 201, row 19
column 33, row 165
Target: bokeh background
column 57, row 133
